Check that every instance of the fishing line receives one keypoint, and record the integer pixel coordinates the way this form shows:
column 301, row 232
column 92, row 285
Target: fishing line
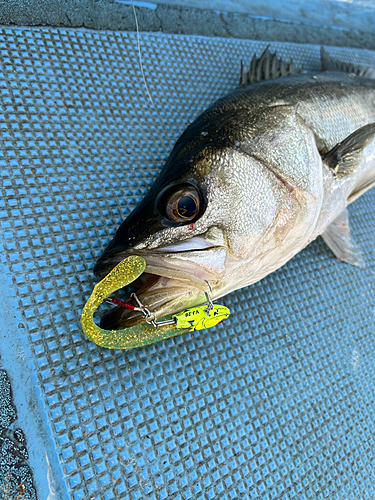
column 142, row 71
column 140, row 56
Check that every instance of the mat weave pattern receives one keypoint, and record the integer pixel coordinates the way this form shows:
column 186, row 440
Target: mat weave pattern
column 278, row 402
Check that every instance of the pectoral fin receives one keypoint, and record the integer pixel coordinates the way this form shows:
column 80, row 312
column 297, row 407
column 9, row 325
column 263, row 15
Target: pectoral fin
column 338, row 238
column 344, row 158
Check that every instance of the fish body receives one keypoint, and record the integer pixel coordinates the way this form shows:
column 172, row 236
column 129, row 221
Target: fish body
column 252, row 181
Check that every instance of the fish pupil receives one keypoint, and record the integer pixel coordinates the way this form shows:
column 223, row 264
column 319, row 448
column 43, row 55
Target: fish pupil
column 186, row 206
column 180, row 204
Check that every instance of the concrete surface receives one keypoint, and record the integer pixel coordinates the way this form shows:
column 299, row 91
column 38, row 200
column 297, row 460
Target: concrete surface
column 351, row 15
column 114, row 15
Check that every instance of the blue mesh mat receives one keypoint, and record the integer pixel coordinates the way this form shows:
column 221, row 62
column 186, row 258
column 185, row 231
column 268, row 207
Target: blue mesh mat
column 277, row 403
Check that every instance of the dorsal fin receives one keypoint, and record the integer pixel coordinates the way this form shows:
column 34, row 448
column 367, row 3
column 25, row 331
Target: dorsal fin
column 329, row 63
column 266, row 67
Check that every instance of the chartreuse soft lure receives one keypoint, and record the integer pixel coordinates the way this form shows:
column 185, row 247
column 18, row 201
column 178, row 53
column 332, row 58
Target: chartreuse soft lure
column 127, row 271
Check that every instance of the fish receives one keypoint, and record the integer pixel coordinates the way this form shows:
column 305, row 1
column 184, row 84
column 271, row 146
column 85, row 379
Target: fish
column 255, row 178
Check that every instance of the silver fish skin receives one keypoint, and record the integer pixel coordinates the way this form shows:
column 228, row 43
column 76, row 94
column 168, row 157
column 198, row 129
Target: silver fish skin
column 262, row 161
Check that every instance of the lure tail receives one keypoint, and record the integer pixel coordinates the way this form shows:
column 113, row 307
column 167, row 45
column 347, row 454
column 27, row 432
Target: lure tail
column 127, row 271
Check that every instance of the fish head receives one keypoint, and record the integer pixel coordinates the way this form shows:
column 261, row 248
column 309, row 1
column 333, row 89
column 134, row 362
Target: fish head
column 211, row 223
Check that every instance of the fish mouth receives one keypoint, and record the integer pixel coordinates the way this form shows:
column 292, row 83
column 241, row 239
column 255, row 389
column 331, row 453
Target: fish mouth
column 171, row 282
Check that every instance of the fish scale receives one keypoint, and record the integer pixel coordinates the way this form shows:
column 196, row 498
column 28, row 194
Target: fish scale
column 353, row 98
column 270, row 166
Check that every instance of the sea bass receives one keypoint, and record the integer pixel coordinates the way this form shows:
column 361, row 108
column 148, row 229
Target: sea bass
column 252, row 181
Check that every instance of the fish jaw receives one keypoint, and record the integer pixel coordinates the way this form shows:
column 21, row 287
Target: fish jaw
column 172, row 282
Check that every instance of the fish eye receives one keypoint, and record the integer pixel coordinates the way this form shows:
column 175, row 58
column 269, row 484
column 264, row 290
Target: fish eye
column 183, row 205
column 180, row 203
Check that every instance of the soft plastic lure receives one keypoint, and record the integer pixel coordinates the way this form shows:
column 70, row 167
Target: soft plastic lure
column 127, row 271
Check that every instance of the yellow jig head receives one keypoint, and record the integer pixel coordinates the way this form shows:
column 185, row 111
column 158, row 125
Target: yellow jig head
column 199, row 318
column 127, row 271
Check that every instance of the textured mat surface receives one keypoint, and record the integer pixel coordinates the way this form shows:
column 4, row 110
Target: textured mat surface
column 278, row 402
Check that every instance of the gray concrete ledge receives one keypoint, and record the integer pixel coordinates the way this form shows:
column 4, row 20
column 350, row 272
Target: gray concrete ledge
column 107, row 14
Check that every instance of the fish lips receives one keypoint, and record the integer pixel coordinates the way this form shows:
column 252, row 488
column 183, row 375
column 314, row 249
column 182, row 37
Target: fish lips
column 193, row 267
column 105, row 264
column 180, row 280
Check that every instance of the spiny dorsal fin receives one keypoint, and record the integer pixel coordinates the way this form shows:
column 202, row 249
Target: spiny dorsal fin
column 329, row 63
column 266, row 67
column 344, row 158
